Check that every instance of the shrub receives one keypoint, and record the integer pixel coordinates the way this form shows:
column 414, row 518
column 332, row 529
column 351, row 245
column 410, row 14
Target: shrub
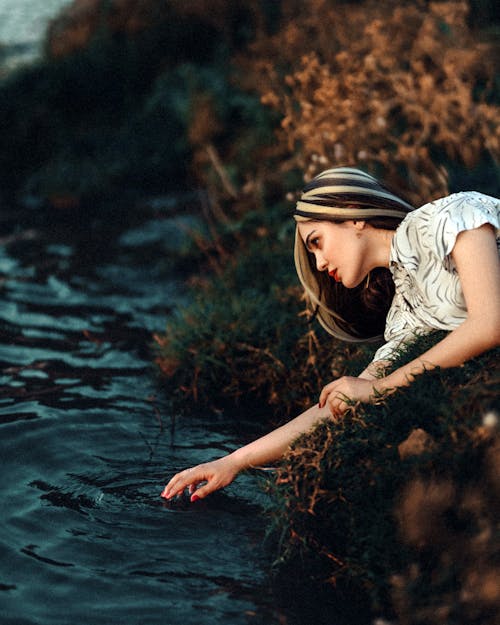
column 398, row 500
column 244, row 337
column 106, row 111
column 405, row 89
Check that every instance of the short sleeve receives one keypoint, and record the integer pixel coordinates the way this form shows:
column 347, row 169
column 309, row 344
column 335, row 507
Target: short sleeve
column 456, row 213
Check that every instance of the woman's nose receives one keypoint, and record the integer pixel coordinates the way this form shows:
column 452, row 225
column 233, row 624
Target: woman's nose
column 321, row 263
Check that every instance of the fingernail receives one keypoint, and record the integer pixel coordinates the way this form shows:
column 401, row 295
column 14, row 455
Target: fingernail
column 194, row 498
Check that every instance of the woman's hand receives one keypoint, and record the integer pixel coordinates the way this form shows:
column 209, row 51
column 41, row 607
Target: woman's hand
column 215, row 474
column 338, row 393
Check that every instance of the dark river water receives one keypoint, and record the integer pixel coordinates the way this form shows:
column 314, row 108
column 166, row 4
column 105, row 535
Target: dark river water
column 88, row 440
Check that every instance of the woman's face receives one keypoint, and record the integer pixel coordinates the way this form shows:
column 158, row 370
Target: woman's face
column 338, row 249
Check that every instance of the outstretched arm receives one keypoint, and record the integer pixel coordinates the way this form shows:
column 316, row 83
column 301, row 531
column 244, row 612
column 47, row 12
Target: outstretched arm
column 269, row 448
column 221, row 472
column 478, row 266
column 476, row 257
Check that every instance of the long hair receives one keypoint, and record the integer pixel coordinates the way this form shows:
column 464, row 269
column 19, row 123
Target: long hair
column 339, row 195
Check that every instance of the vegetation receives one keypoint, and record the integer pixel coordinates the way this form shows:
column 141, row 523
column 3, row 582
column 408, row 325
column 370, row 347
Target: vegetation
column 391, row 90
column 107, row 112
column 246, row 100
column 432, row 115
column 384, row 504
column 398, row 501
column 244, row 340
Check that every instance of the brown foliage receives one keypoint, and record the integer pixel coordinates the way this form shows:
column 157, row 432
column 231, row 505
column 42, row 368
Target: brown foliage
column 398, row 87
column 385, row 85
column 417, row 443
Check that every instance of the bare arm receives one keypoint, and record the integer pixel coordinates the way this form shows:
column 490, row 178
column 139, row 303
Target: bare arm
column 221, row 472
column 269, row 448
column 476, row 258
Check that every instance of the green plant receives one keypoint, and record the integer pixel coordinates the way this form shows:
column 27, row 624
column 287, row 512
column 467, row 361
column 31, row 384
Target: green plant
column 341, row 490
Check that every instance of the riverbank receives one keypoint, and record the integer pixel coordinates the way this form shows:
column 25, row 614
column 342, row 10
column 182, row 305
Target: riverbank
column 246, row 115
column 388, row 520
column 397, row 504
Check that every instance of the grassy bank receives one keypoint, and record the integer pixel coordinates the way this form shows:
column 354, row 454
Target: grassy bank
column 397, row 504
column 245, row 339
column 403, row 529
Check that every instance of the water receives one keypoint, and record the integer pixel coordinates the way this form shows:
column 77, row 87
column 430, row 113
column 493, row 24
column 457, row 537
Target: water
column 22, row 27
column 88, row 440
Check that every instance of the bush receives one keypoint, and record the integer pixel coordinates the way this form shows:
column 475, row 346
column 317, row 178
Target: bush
column 107, row 111
column 405, row 89
column 398, row 500
column 244, row 338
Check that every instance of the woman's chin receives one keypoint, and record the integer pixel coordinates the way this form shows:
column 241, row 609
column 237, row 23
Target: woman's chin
column 351, row 284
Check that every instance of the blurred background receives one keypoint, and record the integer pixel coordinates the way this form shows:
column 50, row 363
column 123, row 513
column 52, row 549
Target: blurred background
column 137, row 98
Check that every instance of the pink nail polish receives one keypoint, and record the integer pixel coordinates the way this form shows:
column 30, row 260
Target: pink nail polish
column 194, row 498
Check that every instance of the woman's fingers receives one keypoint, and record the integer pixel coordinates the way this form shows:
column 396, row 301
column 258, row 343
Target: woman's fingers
column 333, row 395
column 337, row 405
column 323, row 397
column 203, row 491
column 339, row 393
column 203, row 479
column 189, row 478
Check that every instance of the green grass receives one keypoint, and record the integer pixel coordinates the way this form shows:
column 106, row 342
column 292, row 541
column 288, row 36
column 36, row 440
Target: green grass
column 350, row 511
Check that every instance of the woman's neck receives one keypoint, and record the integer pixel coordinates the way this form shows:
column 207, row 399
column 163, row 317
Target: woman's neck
column 381, row 241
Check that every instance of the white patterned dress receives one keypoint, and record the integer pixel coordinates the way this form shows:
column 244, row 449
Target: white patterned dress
column 428, row 292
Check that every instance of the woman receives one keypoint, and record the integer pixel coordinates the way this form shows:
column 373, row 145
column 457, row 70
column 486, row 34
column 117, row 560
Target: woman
column 365, row 257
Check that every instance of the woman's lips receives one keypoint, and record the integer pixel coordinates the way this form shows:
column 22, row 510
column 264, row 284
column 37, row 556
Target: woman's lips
column 333, row 274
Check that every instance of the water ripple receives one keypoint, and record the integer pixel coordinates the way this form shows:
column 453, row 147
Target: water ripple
column 89, row 441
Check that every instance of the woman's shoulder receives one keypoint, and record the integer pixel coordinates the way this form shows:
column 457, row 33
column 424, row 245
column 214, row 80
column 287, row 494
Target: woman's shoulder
column 462, row 201
column 459, row 203
column 434, row 226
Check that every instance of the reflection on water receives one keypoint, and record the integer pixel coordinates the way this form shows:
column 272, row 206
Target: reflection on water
column 22, row 28
column 88, row 442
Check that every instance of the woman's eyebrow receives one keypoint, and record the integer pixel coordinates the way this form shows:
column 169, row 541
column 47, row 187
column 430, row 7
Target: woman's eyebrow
column 308, row 245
